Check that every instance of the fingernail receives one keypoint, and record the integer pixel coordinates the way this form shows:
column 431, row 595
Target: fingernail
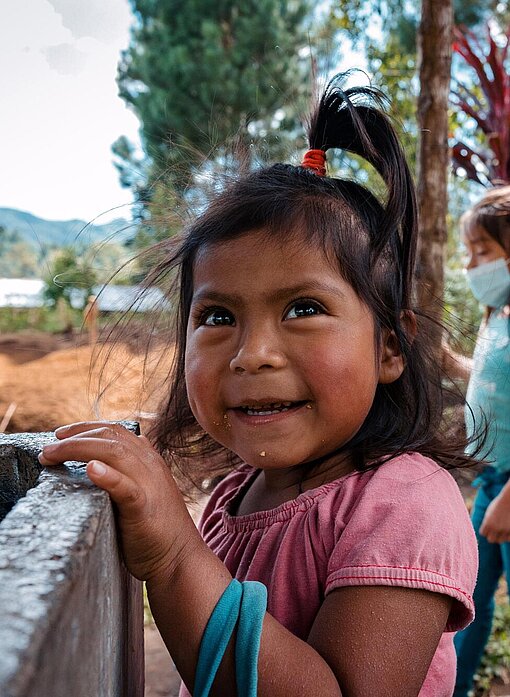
column 97, row 468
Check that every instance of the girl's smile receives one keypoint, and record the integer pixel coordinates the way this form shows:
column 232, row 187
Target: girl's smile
column 267, row 411
column 280, row 355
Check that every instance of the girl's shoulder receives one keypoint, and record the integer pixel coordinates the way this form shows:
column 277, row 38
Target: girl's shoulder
column 417, row 485
column 412, row 469
column 410, row 487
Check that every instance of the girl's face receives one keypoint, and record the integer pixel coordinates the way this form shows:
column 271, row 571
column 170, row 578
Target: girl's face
column 281, row 363
column 481, row 247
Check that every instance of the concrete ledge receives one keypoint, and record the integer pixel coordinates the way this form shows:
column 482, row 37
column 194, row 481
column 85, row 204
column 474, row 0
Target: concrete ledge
column 71, row 615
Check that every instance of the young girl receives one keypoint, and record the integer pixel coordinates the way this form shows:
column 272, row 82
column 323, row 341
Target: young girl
column 486, row 234
column 300, row 371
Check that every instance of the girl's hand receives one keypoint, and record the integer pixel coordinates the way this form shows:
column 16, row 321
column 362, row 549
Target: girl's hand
column 156, row 529
column 496, row 523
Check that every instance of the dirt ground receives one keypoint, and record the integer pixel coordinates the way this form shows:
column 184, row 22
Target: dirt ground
column 48, row 380
column 51, row 380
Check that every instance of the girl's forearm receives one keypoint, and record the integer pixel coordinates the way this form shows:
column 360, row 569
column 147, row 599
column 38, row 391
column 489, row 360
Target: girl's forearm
column 182, row 604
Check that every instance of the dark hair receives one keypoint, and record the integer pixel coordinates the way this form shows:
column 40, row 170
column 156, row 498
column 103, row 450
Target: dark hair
column 492, row 212
column 373, row 246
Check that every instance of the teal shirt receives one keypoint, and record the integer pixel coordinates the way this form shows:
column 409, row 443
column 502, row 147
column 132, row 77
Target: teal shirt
column 489, row 389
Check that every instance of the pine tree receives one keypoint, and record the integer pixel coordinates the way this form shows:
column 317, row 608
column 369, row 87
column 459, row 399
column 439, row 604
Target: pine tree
column 206, row 76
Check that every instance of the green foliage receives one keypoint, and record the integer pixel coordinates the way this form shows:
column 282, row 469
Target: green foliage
column 208, row 81
column 463, row 313
column 496, row 660
column 108, row 261
column 17, row 257
column 386, row 30
column 68, row 272
column 375, row 21
column 147, row 614
column 43, row 319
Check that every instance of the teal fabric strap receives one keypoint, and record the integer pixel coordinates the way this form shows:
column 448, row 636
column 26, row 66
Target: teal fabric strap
column 249, row 630
column 243, row 605
column 215, row 639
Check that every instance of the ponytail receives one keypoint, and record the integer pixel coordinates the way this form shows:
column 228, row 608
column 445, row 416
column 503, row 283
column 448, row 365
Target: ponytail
column 352, row 120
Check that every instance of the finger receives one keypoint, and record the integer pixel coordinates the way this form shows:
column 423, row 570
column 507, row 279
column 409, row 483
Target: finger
column 500, row 537
column 83, row 449
column 102, row 431
column 485, row 531
column 84, row 426
column 126, row 494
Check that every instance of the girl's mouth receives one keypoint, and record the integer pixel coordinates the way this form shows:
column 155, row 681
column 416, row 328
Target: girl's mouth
column 270, row 408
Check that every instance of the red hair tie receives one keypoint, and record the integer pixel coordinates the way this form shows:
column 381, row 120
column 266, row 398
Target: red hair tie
column 315, row 160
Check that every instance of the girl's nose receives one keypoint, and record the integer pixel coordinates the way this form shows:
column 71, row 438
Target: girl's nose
column 256, row 354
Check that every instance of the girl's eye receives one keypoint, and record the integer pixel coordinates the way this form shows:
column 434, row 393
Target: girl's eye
column 218, row 318
column 304, row 308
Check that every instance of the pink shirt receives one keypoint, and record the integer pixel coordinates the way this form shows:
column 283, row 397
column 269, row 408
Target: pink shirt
column 403, row 524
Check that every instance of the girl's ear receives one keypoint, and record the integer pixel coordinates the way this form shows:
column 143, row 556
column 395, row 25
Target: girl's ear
column 392, row 361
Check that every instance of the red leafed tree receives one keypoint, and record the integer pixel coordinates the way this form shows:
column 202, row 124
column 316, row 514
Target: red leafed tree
column 488, row 103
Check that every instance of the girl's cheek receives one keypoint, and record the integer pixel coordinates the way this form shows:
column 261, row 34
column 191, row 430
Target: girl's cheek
column 201, row 390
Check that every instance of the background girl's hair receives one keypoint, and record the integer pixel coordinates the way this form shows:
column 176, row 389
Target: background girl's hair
column 372, row 245
column 492, row 212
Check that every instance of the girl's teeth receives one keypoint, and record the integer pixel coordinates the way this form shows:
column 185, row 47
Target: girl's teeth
column 270, row 409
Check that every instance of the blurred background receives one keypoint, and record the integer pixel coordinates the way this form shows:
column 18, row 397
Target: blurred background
column 119, row 121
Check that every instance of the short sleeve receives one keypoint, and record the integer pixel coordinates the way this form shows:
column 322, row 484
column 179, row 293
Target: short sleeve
column 409, row 527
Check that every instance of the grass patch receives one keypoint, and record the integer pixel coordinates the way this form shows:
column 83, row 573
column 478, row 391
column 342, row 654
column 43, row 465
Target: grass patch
column 43, row 319
column 495, row 666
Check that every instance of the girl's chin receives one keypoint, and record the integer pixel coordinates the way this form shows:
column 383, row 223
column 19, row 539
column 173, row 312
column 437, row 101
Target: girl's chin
column 269, row 459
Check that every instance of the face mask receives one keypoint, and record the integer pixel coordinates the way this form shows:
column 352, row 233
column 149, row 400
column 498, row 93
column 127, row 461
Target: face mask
column 490, row 283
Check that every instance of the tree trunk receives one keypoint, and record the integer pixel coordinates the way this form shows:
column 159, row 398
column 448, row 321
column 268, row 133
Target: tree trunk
column 434, row 65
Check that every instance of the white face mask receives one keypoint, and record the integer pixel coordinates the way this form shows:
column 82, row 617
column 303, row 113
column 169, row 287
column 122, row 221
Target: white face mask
column 490, row 283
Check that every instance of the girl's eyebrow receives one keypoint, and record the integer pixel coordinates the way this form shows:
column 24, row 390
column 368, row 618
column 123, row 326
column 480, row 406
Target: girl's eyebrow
column 273, row 296
column 303, row 288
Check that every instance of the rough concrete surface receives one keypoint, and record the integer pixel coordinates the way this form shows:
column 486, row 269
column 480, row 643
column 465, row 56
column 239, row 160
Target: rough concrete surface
column 19, row 471
column 71, row 615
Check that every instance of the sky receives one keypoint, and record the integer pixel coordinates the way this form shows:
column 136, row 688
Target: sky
column 60, row 112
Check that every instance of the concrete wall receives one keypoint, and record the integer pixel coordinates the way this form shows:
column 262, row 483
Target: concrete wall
column 71, row 617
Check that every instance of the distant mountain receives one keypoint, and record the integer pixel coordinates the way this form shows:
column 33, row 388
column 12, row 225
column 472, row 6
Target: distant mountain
column 59, row 233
